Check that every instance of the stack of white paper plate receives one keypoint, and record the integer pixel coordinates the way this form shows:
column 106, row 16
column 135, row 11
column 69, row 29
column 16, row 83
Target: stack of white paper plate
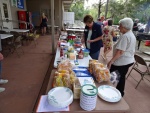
column 60, row 97
column 109, row 93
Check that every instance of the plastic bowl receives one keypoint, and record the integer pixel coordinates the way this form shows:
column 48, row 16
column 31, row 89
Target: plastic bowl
column 86, row 52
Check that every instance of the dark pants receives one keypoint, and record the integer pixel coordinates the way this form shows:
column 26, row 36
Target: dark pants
column 95, row 55
column 122, row 71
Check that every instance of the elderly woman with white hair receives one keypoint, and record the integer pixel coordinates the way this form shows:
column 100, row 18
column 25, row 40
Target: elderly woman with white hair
column 123, row 52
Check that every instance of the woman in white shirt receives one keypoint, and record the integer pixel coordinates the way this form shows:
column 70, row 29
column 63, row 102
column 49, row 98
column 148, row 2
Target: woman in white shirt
column 123, row 52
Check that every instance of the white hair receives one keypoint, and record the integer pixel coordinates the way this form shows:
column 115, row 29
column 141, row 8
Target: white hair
column 126, row 23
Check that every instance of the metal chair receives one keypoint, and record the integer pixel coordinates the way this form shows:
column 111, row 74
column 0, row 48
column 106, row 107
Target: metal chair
column 16, row 34
column 7, row 46
column 33, row 37
column 140, row 61
column 17, row 42
column 3, row 32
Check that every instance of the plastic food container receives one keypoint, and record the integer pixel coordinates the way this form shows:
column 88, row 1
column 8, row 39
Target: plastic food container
column 88, row 97
column 86, row 52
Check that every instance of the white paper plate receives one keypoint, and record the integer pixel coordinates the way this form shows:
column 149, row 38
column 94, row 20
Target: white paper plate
column 109, row 93
column 60, row 97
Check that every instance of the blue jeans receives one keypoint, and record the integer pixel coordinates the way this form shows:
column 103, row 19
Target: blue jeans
column 95, row 55
column 0, row 69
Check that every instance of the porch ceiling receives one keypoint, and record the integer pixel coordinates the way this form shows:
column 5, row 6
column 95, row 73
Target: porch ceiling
column 67, row 4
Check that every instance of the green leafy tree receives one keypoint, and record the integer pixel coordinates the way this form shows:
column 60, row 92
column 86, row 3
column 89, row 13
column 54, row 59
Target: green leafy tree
column 78, row 8
column 80, row 11
column 128, row 8
column 115, row 9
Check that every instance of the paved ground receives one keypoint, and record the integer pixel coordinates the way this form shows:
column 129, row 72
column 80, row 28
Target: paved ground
column 26, row 75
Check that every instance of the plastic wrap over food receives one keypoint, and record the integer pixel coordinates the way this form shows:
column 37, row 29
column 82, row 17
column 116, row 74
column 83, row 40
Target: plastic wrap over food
column 65, row 65
column 64, row 78
column 99, row 71
column 96, row 65
column 91, row 63
column 102, row 74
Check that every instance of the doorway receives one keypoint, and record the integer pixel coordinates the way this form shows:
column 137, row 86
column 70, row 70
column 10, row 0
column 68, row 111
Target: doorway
column 6, row 14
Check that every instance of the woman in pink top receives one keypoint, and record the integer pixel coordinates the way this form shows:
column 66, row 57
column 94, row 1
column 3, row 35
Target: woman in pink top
column 108, row 32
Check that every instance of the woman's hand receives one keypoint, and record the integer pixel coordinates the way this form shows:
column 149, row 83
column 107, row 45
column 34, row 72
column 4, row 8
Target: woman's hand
column 1, row 57
column 90, row 41
column 109, row 64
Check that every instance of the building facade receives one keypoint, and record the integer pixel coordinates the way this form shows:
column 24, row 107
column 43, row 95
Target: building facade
column 9, row 8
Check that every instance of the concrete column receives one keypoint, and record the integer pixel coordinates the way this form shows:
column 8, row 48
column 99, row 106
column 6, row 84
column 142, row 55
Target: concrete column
column 52, row 25
column 60, row 14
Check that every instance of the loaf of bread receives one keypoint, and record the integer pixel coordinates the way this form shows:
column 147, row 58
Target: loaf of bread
column 91, row 63
column 99, row 71
column 65, row 65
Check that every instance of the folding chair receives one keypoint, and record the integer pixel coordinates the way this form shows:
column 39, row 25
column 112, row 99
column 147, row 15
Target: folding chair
column 140, row 61
column 6, row 44
column 3, row 32
column 33, row 37
column 17, row 42
column 16, row 34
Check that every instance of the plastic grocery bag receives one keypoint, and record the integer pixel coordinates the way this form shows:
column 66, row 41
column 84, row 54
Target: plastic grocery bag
column 115, row 77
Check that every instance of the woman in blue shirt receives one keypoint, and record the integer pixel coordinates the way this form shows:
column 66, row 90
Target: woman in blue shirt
column 92, row 36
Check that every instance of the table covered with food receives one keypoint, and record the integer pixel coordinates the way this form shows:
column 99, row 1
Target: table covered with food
column 80, row 84
column 86, row 92
column 70, row 47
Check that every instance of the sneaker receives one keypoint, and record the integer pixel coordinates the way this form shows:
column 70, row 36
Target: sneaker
column 2, row 81
column 2, row 89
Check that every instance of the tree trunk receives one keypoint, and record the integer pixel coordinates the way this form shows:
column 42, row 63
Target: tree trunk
column 106, row 10
column 99, row 8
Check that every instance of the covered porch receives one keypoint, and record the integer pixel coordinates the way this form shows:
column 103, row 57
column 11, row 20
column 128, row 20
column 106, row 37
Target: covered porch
column 29, row 75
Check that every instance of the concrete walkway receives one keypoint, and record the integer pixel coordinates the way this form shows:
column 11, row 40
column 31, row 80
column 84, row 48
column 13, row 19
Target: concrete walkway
column 25, row 75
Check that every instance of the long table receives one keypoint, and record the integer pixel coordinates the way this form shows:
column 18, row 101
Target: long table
column 142, row 36
column 144, row 55
column 101, row 106
column 51, row 26
column 17, row 30
column 4, row 36
column 76, row 27
column 148, row 53
column 75, row 30
column 82, row 62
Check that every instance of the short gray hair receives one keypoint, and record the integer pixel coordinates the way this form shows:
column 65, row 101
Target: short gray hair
column 126, row 23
